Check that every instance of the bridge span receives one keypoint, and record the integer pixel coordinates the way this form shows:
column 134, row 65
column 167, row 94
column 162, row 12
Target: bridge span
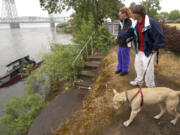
column 34, row 20
column 15, row 22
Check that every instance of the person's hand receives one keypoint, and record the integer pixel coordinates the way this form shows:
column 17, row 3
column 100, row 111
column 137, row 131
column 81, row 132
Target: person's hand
column 154, row 51
column 115, row 39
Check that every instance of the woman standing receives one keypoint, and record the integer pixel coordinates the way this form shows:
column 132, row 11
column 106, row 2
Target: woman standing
column 124, row 45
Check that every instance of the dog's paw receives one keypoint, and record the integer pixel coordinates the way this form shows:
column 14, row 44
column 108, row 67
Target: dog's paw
column 173, row 122
column 156, row 117
column 126, row 123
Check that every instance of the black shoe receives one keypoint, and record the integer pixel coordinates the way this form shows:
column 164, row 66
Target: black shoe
column 123, row 73
column 118, row 71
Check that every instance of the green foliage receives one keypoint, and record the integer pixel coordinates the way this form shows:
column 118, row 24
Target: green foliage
column 58, row 64
column 61, row 25
column 20, row 113
column 83, row 29
column 54, row 5
column 65, row 27
column 174, row 15
column 98, row 8
column 109, row 8
column 57, row 67
column 103, row 39
column 163, row 15
column 152, row 7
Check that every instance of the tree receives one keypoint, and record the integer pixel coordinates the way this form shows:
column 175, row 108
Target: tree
column 109, row 8
column 132, row 4
column 174, row 15
column 98, row 8
column 152, row 7
column 163, row 15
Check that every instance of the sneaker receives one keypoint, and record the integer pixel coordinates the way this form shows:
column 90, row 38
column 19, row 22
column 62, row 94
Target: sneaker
column 118, row 71
column 134, row 83
column 123, row 73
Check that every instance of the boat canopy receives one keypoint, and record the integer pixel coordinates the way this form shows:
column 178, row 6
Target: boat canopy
column 17, row 62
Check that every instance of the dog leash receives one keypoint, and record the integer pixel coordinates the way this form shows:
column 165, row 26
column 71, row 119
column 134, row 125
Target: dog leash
column 139, row 91
column 140, row 87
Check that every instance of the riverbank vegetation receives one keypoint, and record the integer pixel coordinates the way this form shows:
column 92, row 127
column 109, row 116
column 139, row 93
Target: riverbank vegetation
column 56, row 73
column 20, row 113
column 57, row 69
column 64, row 27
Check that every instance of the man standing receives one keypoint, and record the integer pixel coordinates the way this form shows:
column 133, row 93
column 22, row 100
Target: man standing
column 148, row 38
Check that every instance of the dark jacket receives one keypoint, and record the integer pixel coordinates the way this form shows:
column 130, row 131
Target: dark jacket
column 153, row 36
column 127, row 23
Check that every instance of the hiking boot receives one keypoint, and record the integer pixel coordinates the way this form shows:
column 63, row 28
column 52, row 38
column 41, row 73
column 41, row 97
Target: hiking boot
column 123, row 73
column 118, row 71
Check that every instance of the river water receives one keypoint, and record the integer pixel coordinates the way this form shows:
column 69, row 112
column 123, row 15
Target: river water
column 30, row 39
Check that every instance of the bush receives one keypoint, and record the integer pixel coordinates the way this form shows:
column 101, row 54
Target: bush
column 64, row 27
column 103, row 39
column 86, row 29
column 58, row 64
column 83, row 30
column 57, row 67
column 20, row 113
column 172, row 38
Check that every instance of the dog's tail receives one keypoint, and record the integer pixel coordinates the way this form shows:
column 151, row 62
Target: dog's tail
column 178, row 92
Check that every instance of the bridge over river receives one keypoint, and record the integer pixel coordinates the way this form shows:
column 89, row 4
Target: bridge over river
column 9, row 16
column 33, row 20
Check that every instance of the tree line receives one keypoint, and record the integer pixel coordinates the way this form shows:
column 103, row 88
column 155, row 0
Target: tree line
column 101, row 8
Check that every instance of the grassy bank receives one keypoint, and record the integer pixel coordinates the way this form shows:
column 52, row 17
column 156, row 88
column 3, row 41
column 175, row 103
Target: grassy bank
column 174, row 24
column 169, row 66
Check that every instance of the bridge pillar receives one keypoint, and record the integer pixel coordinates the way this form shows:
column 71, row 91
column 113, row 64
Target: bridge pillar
column 9, row 12
column 14, row 25
column 52, row 25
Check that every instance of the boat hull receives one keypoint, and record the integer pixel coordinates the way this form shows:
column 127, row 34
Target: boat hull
column 18, row 77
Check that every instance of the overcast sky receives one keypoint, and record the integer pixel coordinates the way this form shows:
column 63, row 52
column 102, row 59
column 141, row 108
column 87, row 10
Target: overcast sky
column 32, row 7
column 166, row 5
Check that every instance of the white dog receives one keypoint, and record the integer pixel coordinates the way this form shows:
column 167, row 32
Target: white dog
column 156, row 95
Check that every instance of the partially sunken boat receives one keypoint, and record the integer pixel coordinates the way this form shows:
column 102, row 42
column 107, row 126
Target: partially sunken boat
column 15, row 70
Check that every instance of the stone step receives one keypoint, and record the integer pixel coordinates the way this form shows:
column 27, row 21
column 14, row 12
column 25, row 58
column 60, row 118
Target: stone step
column 95, row 58
column 92, row 64
column 83, row 87
column 88, row 73
column 85, row 83
column 87, row 78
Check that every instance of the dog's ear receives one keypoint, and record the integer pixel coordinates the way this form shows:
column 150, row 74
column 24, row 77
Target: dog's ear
column 115, row 92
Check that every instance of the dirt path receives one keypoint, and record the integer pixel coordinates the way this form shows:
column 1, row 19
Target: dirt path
column 144, row 124
column 62, row 107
